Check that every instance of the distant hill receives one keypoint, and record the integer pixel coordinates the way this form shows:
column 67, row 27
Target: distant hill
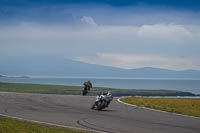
column 55, row 66
column 2, row 76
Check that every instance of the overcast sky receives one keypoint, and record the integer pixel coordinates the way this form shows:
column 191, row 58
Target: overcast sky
column 119, row 33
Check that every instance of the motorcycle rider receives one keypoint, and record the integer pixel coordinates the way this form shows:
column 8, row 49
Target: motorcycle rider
column 86, row 88
column 103, row 96
column 111, row 97
column 87, row 85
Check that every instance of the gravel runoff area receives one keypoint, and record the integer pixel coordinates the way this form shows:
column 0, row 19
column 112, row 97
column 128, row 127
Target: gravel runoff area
column 74, row 110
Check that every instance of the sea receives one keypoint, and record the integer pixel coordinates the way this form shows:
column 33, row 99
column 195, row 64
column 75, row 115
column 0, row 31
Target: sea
column 187, row 85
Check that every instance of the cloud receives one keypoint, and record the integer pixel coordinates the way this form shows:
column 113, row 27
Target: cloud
column 89, row 21
column 90, row 29
column 164, row 31
column 160, row 45
column 131, row 61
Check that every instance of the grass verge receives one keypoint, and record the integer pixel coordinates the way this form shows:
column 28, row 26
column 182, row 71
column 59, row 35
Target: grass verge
column 37, row 88
column 77, row 90
column 10, row 125
column 186, row 106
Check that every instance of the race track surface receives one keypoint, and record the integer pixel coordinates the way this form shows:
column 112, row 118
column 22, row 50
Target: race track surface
column 75, row 111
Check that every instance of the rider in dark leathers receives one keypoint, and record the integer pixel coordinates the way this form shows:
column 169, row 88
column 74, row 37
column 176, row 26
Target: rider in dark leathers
column 87, row 87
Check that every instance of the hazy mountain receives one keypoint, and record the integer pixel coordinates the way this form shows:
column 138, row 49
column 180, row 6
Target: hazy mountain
column 2, row 76
column 55, row 66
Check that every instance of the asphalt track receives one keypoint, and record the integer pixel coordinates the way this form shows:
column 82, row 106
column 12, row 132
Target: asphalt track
column 75, row 111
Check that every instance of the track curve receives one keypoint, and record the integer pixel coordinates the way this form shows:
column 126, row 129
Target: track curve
column 71, row 110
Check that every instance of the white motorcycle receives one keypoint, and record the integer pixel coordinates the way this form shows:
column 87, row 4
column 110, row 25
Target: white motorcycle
column 102, row 101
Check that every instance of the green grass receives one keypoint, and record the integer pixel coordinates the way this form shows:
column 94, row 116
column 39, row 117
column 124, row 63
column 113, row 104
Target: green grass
column 10, row 125
column 77, row 90
column 47, row 89
column 36, row 88
column 186, row 106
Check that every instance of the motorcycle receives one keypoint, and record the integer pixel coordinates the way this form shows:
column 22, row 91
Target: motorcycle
column 102, row 101
column 84, row 92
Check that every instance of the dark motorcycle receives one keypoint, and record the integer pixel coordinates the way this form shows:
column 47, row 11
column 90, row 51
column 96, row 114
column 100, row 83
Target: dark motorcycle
column 84, row 92
column 102, row 101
